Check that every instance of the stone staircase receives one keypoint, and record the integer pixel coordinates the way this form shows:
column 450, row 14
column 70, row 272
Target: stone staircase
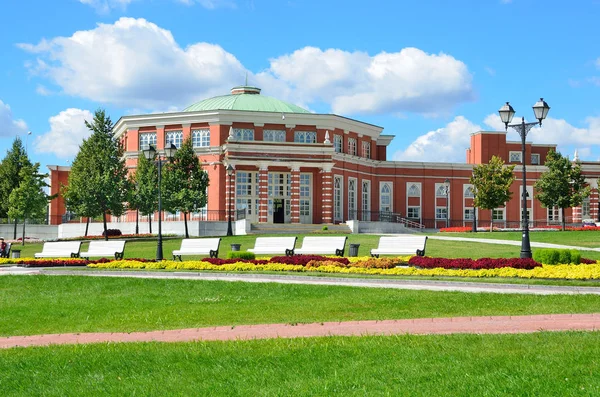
column 295, row 228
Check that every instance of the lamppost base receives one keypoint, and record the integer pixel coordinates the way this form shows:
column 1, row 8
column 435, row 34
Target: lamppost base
column 526, row 255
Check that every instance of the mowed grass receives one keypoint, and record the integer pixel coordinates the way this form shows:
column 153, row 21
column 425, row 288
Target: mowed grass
column 436, row 248
column 539, row 364
column 61, row 304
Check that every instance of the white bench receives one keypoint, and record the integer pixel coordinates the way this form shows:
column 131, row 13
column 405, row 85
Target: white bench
column 104, row 249
column 400, row 245
column 330, row 245
column 60, row 249
column 198, row 246
column 274, row 245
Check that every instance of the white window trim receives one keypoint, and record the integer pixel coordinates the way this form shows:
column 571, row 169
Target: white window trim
column 516, row 154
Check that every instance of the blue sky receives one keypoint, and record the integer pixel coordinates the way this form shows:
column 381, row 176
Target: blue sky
column 429, row 72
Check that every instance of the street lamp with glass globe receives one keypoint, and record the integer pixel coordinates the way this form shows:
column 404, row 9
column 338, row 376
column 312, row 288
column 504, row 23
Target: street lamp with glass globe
column 150, row 152
column 540, row 110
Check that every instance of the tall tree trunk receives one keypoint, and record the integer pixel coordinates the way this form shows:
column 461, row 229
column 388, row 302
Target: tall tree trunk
column 187, row 235
column 562, row 212
column 491, row 221
column 105, row 227
column 137, row 222
column 150, row 222
column 87, row 226
column 15, row 231
column 23, row 242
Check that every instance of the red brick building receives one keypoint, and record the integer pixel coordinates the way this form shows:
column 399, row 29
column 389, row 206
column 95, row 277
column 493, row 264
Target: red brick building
column 293, row 166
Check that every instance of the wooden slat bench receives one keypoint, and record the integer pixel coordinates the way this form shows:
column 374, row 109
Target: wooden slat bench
column 198, row 246
column 274, row 245
column 104, row 249
column 60, row 249
column 330, row 245
column 400, row 245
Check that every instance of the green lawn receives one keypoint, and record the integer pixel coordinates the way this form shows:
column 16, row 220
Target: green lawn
column 59, row 304
column 436, row 248
column 540, row 364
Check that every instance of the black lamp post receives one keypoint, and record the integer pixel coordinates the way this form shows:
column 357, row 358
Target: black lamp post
column 229, row 170
column 540, row 109
column 149, row 153
column 447, row 186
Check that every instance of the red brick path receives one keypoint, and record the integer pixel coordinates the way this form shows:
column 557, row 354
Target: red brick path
column 480, row 325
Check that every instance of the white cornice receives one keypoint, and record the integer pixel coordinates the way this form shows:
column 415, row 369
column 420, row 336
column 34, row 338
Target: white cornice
column 384, row 140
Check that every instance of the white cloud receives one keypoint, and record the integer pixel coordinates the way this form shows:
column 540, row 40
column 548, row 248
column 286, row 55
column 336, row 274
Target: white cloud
column 134, row 63
column 8, row 125
column 597, row 63
column 446, row 144
column 67, row 132
column 210, row 4
column 355, row 82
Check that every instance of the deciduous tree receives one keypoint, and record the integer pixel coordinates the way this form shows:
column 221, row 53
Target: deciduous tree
column 491, row 183
column 98, row 181
column 562, row 185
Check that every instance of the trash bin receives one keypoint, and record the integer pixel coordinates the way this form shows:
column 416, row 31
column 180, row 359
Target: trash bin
column 15, row 253
column 235, row 247
column 354, row 249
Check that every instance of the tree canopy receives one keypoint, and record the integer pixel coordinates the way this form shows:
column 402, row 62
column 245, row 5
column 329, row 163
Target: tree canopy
column 29, row 200
column 98, row 181
column 491, row 184
column 184, row 183
column 10, row 170
column 562, row 185
column 145, row 188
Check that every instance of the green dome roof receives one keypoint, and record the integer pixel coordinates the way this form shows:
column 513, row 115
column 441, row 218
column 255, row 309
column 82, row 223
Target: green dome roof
column 245, row 98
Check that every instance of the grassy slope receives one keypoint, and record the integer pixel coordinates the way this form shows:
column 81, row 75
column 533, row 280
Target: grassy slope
column 50, row 304
column 540, row 364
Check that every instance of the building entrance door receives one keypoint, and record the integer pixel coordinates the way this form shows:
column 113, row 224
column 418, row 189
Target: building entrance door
column 278, row 211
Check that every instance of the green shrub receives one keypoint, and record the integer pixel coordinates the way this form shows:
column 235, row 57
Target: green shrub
column 553, row 256
column 324, row 228
column 241, row 255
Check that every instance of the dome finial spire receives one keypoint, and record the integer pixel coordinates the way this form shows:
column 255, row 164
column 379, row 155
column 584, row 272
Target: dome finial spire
column 246, row 83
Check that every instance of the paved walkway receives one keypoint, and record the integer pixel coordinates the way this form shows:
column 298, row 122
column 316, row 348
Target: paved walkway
column 511, row 242
column 369, row 282
column 479, row 325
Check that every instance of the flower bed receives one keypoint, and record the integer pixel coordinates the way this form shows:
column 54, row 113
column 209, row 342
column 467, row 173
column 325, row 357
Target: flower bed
column 467, row 263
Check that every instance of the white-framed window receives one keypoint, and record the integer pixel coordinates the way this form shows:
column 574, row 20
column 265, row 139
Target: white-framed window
column 279, row 184
column 498, row 214
column 554, row 214
column 147, row 139
column 535, row 158
column 514, row 157
column 469, row 193
column 337, row 197
column 305, row 195
column 246, row 183
column 174, row 137
column 440, row 190
column 305, row 137
column 201, row 137
column 337, row 143
column 366, row 200
column 352, row 198
column 243, row 134
column 274, row 135
column 413, row 212
column 245, row 203
column 469, row 213
column 385, row 197
column 352, row 146
column 585, row 208
column 441, row 213
column 414, row 190
column 366, row 149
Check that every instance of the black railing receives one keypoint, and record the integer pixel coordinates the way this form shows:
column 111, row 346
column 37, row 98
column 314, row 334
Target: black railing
column 375, row 216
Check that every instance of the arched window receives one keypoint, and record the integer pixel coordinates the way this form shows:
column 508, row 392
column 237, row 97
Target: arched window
column 441, row 191
column 469, row 192
column 385, row 197
column 414, row 191
column 337, row 198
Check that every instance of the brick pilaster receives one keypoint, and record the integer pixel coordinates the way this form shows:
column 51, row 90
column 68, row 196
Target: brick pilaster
column 295, row 194
column 263, row 194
